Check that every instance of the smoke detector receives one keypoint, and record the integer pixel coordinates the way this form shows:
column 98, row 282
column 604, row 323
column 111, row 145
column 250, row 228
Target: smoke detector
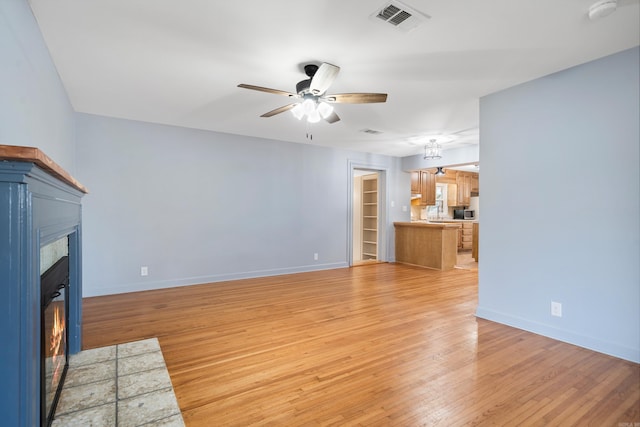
column 602, row 8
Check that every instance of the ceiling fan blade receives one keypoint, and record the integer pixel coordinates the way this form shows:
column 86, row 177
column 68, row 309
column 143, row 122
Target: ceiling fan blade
column 323, row 78
column 268, row 90
column 279, row 110
column 333, row 117
column 356, row 98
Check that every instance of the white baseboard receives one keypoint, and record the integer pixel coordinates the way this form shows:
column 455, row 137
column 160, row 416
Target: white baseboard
column 591, row 343
column 198, row 280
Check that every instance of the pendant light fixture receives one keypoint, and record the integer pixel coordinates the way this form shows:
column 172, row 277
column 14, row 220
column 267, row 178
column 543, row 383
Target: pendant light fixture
column 432, row 150
column 439, row 172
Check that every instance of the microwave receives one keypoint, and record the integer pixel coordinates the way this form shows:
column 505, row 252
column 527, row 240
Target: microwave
column 464, row 214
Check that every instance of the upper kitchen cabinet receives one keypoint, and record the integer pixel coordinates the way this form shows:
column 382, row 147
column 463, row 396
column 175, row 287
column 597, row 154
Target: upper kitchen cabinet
column 428, row 184
column 475, row 183
column 463, row 180
column 467, row 182
column 424, row 183
column 415, row 182
column 460, row 185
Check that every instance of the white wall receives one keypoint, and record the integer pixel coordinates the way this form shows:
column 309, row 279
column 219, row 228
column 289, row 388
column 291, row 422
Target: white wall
column 560, row 205
column 197, row 206
column 34, row 107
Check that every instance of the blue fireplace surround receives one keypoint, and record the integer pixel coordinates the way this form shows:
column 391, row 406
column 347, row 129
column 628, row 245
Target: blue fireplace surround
column 37, row 207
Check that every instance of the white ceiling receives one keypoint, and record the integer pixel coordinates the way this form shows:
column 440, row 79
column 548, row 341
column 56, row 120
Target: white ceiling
column 179, row 62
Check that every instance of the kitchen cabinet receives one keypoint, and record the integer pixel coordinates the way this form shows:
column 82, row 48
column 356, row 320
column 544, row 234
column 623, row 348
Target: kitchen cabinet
column 467, row 182
column 475, row 183
column 467, row 235
column 463, row 181
column 476, row 234
column 428, row 188
column 424, row 183
column 452, row 194
column 427, row 245
column 415, row 182
column 460, row 185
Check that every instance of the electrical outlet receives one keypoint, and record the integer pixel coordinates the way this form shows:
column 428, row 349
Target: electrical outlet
column 315, row 256
column 144, row 270
column 556, row 309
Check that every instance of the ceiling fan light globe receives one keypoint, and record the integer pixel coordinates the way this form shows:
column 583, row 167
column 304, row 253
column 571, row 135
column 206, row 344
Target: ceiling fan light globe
column 325, row 109
column 298, row 111
column 314, row 117
column 308, row 106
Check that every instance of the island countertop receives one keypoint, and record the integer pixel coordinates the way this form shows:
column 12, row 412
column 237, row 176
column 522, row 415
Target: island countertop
column 427, row 224
column 427, row 244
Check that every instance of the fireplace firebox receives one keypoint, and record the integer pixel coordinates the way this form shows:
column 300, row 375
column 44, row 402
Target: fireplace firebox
column 54, row 348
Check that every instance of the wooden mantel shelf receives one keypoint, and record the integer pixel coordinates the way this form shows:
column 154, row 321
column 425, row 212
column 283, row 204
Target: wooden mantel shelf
column 34, row 155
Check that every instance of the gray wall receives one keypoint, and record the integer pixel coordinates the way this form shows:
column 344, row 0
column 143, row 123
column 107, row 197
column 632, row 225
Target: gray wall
column 197, row 206
column 560, row 205
column 34, row 108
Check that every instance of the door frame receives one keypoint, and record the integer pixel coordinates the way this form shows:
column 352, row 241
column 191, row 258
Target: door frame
column 383, row 208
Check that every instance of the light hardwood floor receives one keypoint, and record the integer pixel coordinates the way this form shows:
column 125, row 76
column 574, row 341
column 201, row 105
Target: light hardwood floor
column 381, row 344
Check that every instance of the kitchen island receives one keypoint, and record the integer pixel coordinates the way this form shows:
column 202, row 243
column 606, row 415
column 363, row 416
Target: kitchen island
column 432, row 245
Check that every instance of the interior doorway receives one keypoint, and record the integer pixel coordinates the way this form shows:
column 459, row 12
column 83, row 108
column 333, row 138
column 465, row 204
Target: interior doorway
column 366, row 217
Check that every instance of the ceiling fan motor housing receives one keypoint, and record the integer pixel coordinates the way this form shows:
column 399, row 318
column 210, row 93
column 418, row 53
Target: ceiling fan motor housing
column 303, row 86
column 310, row 70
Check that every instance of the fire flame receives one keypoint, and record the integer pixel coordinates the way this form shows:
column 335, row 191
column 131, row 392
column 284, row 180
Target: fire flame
column 55, row 342
column 56, row 332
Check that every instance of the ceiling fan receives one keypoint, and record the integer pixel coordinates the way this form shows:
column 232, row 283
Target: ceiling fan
column 311, row 98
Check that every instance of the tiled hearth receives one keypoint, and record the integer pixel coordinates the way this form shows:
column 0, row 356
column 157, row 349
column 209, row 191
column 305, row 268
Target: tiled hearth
column 121, row 385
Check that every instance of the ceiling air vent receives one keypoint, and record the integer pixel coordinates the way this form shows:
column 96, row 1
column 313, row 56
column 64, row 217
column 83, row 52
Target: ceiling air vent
column 400, row 15
column 371, row 131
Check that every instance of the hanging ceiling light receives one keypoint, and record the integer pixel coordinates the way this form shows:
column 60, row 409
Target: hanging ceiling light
column 439, row 172
column 432, row 150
